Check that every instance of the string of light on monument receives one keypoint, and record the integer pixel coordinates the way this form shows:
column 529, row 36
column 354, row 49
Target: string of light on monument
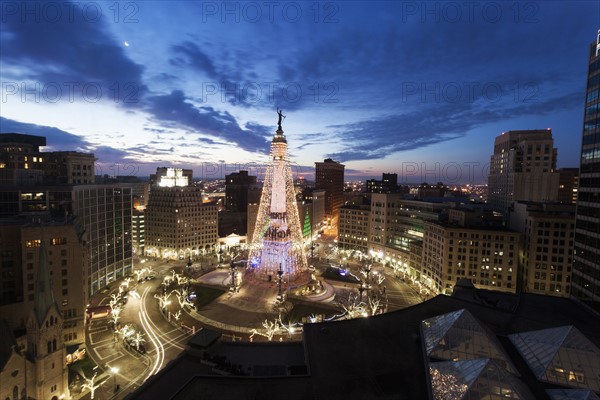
column 262, row 220
column 277, row 238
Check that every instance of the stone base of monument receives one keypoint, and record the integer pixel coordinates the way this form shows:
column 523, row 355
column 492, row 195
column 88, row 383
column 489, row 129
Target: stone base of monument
column 260, row 278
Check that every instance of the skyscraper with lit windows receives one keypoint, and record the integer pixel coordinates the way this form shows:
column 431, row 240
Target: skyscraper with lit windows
column 585, row 283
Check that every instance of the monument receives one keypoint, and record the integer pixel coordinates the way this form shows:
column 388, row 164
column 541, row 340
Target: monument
column 276, row 248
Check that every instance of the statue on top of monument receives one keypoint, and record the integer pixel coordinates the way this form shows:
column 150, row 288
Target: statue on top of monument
column 280, row 113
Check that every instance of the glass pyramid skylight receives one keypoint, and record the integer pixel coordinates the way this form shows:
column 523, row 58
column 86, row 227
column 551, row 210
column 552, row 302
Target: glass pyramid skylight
column 562, row 356
column 474, row 379
column 460, row 336
column 571, row 394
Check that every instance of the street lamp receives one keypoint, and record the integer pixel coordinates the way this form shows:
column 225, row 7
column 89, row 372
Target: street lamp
column 279, row 294
column 232, row 270
column 114, row 371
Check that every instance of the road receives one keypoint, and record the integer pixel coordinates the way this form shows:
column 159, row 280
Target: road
column 164, row 341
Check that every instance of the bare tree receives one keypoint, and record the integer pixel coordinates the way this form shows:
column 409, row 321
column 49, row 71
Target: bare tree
column 163, row 300
column 138, row 339
column 271, row 328
column 114, row 300
column 91, row 385
column 374, row 303
column 115, row 315
column 182, row 298
column 290, row 328
column 177, row 315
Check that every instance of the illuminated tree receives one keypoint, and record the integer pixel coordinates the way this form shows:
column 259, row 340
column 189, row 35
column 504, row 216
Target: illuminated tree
column 182, row 298
column 278, row 228
column 139, row 273
column 138, row 339
column 163, row 300
column 374, row 303
column 115, row 315
column 290, row 328
column 91, row 385
column 271, row 328
column 114, row 301
column 177, row 315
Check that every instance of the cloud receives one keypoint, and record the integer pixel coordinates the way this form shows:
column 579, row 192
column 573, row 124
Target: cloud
column 57, row 139
column 72, row 50
column 380, row 137
column 176, row 108
column 75, row 50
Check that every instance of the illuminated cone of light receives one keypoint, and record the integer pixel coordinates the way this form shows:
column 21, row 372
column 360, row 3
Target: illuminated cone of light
column 277, row 238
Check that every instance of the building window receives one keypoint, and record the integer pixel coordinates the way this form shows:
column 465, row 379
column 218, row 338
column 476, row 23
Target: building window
column 33, row 243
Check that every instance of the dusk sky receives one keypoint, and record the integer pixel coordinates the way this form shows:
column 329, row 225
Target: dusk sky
column 417, row 88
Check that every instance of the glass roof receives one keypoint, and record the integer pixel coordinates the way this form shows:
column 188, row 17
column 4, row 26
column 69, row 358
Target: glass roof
column 562, row 356
column 474, row 380
column 460, row 336
column 571, row 394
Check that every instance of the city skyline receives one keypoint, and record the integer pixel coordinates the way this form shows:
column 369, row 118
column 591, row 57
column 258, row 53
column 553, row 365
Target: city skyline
column 411, row 88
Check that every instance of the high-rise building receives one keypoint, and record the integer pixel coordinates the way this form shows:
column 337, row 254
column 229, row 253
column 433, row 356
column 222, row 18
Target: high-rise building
column 65, row 255
column 316, row 198
column 237, row 185
column 104, row 212
column 22, row 162
column 169, row 177
column 523, row 167
column 354, row 227
column 568, row 185
column 486, row 256
column 585, row 283
column 329, row 175
column 178, row 223
column 138, row 232
column 387, row 184
column 547, row 246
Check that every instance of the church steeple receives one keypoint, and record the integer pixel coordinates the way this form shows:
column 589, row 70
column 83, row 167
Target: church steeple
column 45, row 346
column 44, row 297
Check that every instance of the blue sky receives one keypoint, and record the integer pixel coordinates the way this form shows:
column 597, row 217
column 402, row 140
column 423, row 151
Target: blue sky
column 416, row 88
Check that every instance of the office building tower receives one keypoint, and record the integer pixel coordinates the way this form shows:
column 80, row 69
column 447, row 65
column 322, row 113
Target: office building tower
column 237, row 185
column 568, row 185
column 387, row 184
column 329, row 176
column 585, row 283
column 523, row 167
column 547, row 246
column 104, row 212
column 178, row 224
column 487, row 256
column 22, row 162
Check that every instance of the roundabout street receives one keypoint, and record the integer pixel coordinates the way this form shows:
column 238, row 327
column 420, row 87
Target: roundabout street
column 165, row 332
column 163, row 342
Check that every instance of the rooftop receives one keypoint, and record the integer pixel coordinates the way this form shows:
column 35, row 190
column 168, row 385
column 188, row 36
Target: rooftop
column 384, row 357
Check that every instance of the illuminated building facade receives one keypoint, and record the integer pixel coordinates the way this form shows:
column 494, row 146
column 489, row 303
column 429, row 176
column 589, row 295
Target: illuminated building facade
column 104, row 212
column 354, row 227
column 178, row 224
column 277, row 236
column 329, row 176
column 486, row 256
column 547, row 255
column 523, row 167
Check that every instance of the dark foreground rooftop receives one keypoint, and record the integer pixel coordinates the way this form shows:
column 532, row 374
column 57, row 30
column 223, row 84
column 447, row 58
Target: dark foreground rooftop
column 380, row 357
